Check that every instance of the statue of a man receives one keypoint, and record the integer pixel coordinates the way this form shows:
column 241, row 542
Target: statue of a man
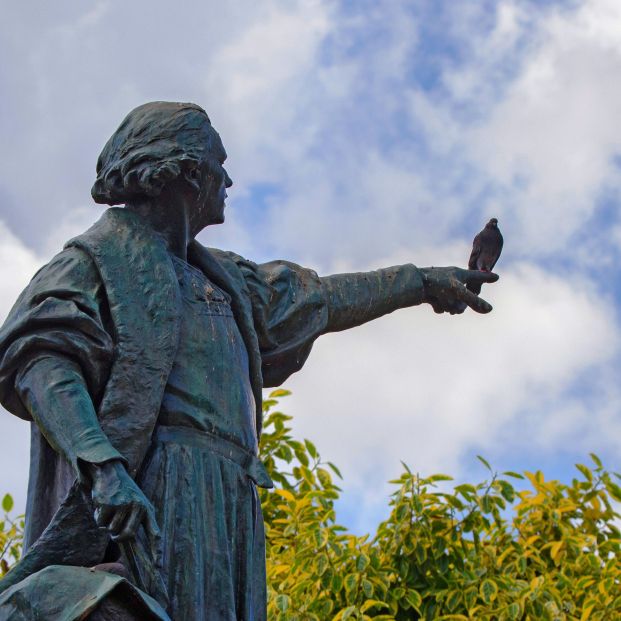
column 139, row 356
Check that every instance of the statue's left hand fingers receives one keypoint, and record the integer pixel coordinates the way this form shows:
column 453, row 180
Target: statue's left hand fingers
column 474, row 301
column 119, row 519
column 131, row 524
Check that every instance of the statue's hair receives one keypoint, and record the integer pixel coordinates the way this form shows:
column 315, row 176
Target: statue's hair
column 153, row 145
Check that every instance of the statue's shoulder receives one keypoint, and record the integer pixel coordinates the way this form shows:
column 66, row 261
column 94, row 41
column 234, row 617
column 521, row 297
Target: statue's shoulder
column 230, row 259
column 115, row 228
column 72, row 266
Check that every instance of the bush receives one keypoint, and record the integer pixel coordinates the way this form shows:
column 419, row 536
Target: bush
column 486, row 551
column 11, row 536
column 495, row 550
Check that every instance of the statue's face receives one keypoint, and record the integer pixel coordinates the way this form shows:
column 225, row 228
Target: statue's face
column 214, row 181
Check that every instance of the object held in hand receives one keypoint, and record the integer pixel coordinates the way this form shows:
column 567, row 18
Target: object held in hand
column 486, row 249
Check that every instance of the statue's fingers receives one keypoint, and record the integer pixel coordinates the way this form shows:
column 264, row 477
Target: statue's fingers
column 103, row 515
column 131, row 524
column 435, row 304
column 457, row 308
column 118, row 521
column 474, row 301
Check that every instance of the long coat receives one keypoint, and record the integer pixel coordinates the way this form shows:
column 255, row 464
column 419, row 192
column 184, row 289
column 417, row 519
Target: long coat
column 279, row 308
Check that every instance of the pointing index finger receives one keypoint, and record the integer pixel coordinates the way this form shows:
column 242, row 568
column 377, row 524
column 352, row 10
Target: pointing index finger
column 478, row 277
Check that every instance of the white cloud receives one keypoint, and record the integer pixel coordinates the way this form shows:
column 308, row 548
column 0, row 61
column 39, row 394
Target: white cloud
column 372, row 168
column 17, row 266
column 548, row 146
column 434, row 390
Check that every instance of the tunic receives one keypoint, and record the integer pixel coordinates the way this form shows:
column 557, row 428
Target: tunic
column 197, row 472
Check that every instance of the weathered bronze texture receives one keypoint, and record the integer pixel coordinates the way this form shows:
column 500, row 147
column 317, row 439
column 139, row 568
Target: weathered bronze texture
column 139, row 357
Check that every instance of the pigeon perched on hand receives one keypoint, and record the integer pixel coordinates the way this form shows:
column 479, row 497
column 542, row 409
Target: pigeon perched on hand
column 486, row 249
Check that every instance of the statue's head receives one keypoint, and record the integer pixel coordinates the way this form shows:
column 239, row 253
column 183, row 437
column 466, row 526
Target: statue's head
column 158, row 144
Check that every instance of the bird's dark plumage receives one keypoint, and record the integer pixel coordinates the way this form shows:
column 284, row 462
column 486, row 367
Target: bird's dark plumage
column 486, row 249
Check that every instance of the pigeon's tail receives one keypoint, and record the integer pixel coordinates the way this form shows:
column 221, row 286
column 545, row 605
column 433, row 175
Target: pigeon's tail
column 474, row 287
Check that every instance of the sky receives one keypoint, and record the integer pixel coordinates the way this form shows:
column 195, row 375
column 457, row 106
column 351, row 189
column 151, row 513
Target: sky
column 361, row 135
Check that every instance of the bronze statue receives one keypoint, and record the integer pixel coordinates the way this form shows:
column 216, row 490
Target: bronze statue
column 139, row 356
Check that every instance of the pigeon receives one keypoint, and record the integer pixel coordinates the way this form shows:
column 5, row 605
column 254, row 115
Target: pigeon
column 486, row 249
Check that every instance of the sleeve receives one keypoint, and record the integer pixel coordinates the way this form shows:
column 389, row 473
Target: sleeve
column 292, row 306
column 354, row 299
column 56, row 348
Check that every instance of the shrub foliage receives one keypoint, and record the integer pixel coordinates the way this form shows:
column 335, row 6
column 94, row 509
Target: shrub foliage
column 514, row 547
column 11, row 535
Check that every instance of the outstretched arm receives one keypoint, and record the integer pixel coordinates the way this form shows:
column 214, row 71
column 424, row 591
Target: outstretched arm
column 356, row 298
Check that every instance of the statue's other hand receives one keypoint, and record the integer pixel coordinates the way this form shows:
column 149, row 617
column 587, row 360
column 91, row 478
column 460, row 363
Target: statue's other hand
column 120, row 505
column 445, row 289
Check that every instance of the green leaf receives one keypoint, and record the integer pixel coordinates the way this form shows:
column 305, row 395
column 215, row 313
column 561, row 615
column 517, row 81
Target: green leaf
column 453, row 599
column 440, row 477
column 322, row 564
column 421, row 554
column 7, row 502
column 367, row 588
column 414, row 598
column 337, row 583
column 614, row 490
column 507, row 491
column 470, row 597
column 514, row 611
column 351, row 581
column 484, row 462
column 515, row 475
column 486, row 503
column 310, row 447
column 596, row 460
column 362, row 562
column 282, row 602
column 488, row 591
column 335, row 470
column 586, row 472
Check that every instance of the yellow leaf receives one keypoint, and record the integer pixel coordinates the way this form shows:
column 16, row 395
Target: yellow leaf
column 279, row 392
column 536, row 582
column 300, row 504
column 285, row 494
column 372, row 602
column 278, row 569
column 555, row 549
column 586, row 613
